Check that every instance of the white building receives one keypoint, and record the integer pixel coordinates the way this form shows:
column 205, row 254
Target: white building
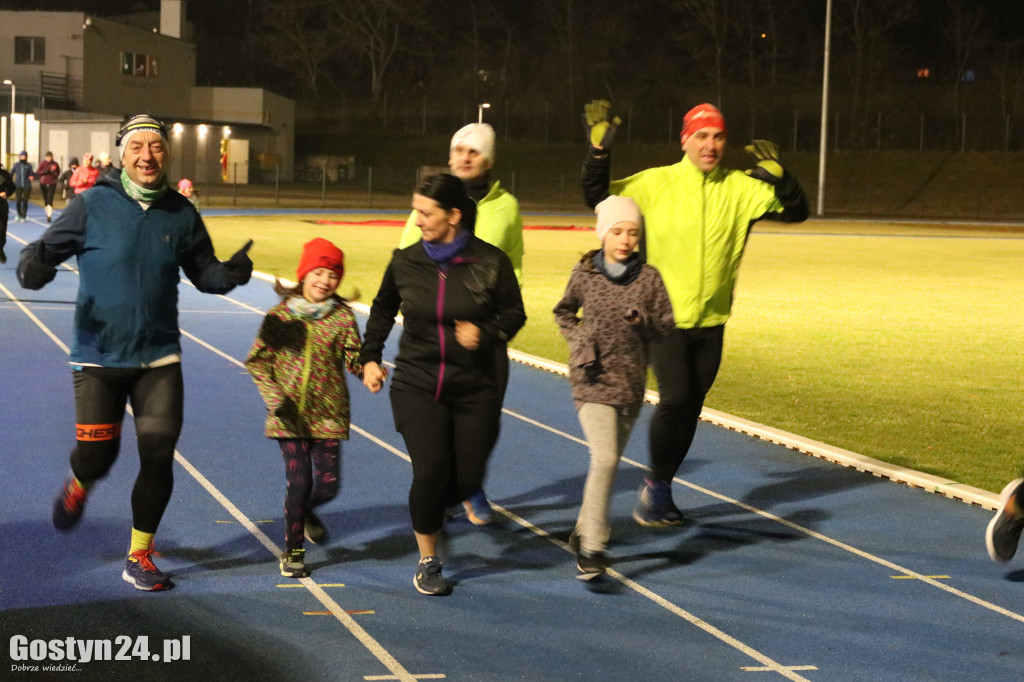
column 70, row 79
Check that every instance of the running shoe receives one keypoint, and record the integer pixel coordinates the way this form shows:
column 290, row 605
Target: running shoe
column 69, row 505
column 293, row 563
column 315, row 531
column 574, row 542
column 3, row 257
column 1004, row 529
column 654, row 506
column 478, row 509
column 428, row 579
column 140, row 571
column 590, row 565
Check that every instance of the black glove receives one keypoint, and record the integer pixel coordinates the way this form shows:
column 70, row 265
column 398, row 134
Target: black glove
column 33, row 273
column 768, row 168
column 600, row 130
column 239, row 266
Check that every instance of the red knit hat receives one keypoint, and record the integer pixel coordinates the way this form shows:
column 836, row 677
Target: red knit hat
column 701, row 116
column 320, row 253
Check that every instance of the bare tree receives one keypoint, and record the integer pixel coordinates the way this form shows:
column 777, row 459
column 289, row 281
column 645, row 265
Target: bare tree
column 964, row 30
column 866, row 23
column 374, row 30
column 1007, row 64
column 295, row 39
column 705, row 33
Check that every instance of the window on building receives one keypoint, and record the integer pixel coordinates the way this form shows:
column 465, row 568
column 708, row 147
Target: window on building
column 29, row 50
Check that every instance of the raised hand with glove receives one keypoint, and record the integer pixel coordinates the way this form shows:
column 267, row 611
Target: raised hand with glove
column 768, row 168
column 599, row 128
column 239, row 266
column 787, row 189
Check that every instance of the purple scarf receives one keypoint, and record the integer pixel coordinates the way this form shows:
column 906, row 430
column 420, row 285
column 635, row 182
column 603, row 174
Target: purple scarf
column 442, row 253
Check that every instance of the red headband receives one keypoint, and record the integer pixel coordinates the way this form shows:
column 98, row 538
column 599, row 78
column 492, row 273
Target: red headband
column 701, row 116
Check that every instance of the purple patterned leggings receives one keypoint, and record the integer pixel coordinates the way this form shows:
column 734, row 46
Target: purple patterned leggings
column 312, row 467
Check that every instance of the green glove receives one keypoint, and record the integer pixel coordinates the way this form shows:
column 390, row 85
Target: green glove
column 600, row 131
column 768, row 168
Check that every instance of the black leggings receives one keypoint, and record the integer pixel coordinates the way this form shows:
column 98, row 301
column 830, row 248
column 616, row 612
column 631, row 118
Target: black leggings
column 449, row 444
column 48, row 192
column 312, row 469
column 23, row 193
column 685, row 365
column 157, row 397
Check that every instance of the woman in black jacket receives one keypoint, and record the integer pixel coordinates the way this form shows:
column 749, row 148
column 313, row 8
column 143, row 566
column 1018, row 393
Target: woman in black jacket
column 459, row 296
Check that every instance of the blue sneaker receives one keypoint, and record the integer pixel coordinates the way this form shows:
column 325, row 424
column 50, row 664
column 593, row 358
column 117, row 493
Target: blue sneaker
column 69, row 505
column 654, row 506
column 140, row 571
column 478, row 509
column 1003, row 532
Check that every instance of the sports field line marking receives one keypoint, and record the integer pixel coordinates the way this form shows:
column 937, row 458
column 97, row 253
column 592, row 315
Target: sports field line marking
column 906, row 572
column 372, row 645
column 661, row 601
column 830, row 453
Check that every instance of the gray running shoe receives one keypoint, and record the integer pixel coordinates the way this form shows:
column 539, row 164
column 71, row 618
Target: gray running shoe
column 293, row 563
column 1003, row 532
column 428, row 579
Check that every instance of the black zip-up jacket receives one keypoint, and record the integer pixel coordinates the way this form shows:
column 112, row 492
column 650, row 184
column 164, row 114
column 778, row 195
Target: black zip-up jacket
column 6, row 184
column 478, row 285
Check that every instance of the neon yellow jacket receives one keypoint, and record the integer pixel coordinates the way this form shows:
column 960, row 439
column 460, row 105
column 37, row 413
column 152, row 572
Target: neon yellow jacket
column 695, row 229
column 497, row 222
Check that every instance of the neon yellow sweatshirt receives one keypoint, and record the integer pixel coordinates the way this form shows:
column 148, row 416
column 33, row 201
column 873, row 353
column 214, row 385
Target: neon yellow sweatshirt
column 695, row 229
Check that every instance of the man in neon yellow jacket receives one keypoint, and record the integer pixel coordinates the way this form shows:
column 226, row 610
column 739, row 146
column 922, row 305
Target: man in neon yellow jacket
column 470, row 158
column 697, row 217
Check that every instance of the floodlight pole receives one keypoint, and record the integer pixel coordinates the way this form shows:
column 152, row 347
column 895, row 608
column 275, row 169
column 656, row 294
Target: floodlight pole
column 823, row 142
column 480, row 111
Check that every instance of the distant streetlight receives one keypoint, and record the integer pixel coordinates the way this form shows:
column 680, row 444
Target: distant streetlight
column 10, row 123
column 480, row 111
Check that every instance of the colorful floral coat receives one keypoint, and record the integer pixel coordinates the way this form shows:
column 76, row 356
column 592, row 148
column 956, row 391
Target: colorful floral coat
column 299, row 363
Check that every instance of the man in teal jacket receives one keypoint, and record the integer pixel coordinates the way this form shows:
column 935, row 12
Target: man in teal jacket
column 470, row 158
column 131, row 234
column 697, row 216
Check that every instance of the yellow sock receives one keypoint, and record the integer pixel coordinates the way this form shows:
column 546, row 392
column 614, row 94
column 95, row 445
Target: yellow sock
column 140, row 541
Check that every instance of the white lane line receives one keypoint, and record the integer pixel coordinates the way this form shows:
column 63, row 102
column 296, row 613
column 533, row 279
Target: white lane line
column 372, row 645
column 350, row 624
column 46, row 330
column 806, row 531
column 766, row 662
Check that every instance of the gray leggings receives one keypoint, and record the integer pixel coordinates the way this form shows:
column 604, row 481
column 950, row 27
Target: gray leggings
column 607, row 431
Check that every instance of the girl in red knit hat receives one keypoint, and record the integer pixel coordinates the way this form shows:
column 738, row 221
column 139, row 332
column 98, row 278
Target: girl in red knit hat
column 298, row 361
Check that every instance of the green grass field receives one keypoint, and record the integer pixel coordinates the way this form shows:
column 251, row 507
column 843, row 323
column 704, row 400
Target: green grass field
column 898, row 342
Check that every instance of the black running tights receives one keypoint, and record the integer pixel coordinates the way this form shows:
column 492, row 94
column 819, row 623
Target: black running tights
column 157, row 397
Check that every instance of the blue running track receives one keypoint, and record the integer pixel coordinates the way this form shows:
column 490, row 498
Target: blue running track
column 788, row 567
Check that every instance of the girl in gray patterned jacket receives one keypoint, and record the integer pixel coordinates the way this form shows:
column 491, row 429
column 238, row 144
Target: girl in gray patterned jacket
column 624, row 305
